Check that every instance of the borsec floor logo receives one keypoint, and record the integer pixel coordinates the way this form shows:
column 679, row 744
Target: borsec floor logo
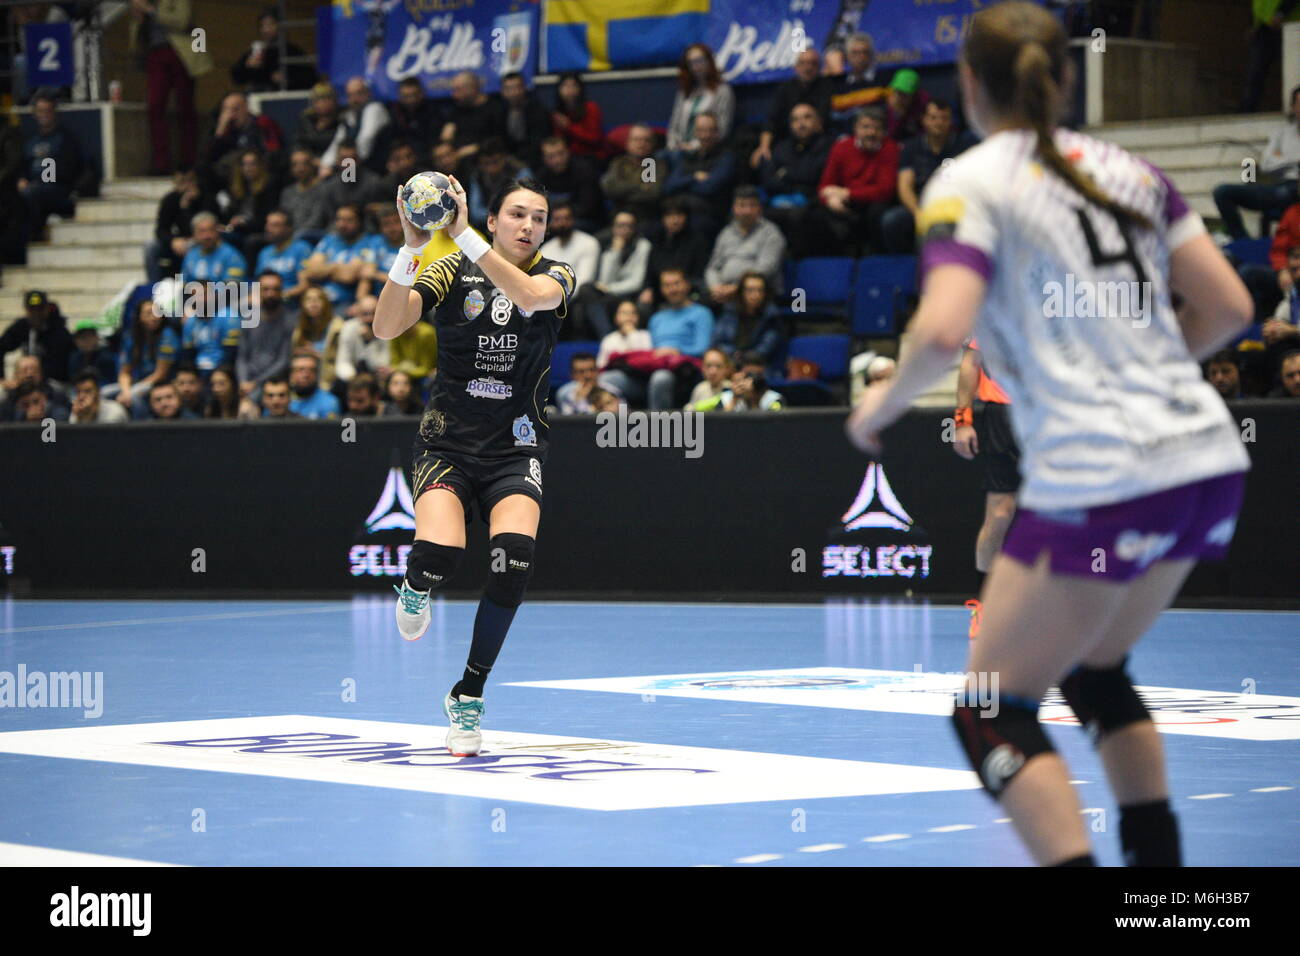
column 393, row 519
column 880, row 539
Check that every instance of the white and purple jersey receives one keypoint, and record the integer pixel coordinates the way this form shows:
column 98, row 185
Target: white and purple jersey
column 1077, row 324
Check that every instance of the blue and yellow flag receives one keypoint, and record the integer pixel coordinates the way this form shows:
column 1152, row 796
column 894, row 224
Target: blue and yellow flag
column 600, row 35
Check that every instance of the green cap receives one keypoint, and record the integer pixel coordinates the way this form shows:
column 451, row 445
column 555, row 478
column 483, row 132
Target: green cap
column 905, row 81
column 84, row 324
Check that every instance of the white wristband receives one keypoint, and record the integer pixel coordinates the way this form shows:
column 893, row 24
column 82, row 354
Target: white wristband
column 472, row 244
column 405, row 267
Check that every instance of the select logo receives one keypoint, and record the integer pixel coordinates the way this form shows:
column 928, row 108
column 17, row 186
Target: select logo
column 876, row 537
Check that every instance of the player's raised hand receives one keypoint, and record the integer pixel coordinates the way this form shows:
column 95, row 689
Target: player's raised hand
column 461, row 222
column 413, row 237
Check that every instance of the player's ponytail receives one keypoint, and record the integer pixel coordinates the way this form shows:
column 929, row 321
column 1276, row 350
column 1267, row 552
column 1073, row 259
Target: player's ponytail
column 1018, row 52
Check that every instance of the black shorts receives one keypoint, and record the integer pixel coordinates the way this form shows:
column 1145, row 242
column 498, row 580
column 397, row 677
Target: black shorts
column 482, row 480
column 998, row 449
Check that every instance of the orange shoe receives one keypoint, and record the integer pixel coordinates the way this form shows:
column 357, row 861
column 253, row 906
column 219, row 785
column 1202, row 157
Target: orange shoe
column 975, row 608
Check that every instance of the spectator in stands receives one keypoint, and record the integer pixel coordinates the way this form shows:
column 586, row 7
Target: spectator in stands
column 751, row 323
column 310, row 400
column 91, row 354
column 675, row 245
column 160, row 35
column 189, row 386
column 258, row 69
column 165, row 403
column 275, row 398
column 254, row 190
column 573, row 180
column 223, row 394
column 305, row 199
column 1280, row 167
column 317, row 330
column 283, row 254
column 173, row 227
column 400, row 396
column 920, row 157
column 807, row 86
column 150, row 347
column 399, row 167
column 857, row 86
column 493, row 169
column 703, row 177
column 473, row 116
column 571, row 398
column 633, row 180
column 680, row 327
column 363, row 397
column 41, row 331
column 32, row 404
column 525, row 121
column 337, row 262
column 1290, row 377
column 1223, row 372
column 621, row 273
column 237, row 131
column 359, row 123
column 718, row 370
column 383, row 247
column 210, row 259
column 209, row 337
column 1265, row 46
column 747, row 391
column 360, row 350
column 413, row 119
column 700, row 89
column 790, row 176
column 603, row 400
column 856, row 188
column 319, row 122
column 30, row 372
column 577, row 120
column 566, row 243
column 350, row 182
column 52, row 164
column 904, row 106
column 88, row 406
column 265, row 346
column 627, row 335
column 749, row 243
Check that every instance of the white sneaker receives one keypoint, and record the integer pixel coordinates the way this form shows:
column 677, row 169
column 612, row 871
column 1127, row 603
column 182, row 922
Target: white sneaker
column 465, row 714
column 412, row 611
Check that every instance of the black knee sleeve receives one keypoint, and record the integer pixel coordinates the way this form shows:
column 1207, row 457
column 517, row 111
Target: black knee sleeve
column 999, row 746
column 510, row 567
column 430, row 566
column 1103, row 699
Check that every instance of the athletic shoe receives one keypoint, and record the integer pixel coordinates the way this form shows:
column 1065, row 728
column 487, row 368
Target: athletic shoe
column 412, row 611
column 465, row 714
column 975, row 608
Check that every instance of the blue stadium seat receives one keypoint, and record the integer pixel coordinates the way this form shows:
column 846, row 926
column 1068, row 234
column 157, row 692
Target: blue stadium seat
column 1250, row 251
column 827, row 282
column 830, row 352
column 881, row 285
column 563, row 355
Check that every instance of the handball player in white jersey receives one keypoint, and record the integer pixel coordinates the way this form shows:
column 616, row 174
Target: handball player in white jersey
column 1133, row 468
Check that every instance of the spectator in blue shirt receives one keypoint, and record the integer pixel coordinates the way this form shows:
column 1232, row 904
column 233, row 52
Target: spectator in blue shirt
column 703, row 177
column 680, row 327
column 210, row 338
column 210, row 259
column 751, row 323
column 150, row 347
column 283, row 254
column 337, row 261
column 92, row 354
column 309, row 399
column 165, row 403
column 382, row 248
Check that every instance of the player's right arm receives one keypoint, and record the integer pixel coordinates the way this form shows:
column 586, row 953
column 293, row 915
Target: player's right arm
column 1216, row 305
column 400, row 306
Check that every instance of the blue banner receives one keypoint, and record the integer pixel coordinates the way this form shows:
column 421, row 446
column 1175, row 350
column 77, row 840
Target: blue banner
column 388, row 40
column 49, row 55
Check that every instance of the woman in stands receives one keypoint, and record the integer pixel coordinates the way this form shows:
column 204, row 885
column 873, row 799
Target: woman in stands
column 576, row 119
column 1133, row 467
column 700, row 89
column 483, row 437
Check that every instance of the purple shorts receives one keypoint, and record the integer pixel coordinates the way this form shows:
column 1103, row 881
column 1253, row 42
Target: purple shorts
column 1119, row 542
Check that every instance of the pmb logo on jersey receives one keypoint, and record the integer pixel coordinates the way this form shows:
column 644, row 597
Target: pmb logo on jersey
column 877, row 538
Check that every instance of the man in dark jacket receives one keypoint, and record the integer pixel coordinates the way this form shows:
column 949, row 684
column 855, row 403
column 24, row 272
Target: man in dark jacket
column 675, row 244
column 172, row 229
column 806, row 86
column 527, row 121
column 259, row 68
column 703, row 178
column 572, row 179
column 790, row 177
column 42, row 332
column 52, row 164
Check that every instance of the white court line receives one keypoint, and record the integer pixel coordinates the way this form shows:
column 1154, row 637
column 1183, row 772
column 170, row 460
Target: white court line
column 886, row 837
column 1209, row 796
column 1269, row 789
column 952, row 828
column 17, row 854
column 759, row 858
column 127, row 622
column 821, row 847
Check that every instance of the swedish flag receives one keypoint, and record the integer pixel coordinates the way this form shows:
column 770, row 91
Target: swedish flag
column 604, row 35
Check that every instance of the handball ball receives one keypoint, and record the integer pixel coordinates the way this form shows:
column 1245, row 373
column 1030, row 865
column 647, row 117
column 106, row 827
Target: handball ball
column 428, row 201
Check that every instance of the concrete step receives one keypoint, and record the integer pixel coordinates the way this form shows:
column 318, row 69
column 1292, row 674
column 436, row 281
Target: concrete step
column 1189, row 131
column 1206, row 155
column 96, row 233
column 84, row 253
column 1203, row 180
column 148, row 187
column 72, row 278
column 119, row 210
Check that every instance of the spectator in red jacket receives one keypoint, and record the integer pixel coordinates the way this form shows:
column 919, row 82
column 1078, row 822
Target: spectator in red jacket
column 858, row 184
column 577, row 119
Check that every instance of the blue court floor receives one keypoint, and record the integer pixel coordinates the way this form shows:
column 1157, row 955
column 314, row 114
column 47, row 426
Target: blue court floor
column 309, row 733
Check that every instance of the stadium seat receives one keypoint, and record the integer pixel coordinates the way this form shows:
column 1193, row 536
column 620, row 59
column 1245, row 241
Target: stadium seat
column 878, row 292
column 830, row 352
column 563, row 355
column 827, row 282
column 1250, row 251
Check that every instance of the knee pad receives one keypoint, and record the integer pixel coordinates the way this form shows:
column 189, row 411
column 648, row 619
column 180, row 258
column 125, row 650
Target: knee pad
column 1103, row 699
column 999, row 746
column 510, row 567
column 429, row 566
